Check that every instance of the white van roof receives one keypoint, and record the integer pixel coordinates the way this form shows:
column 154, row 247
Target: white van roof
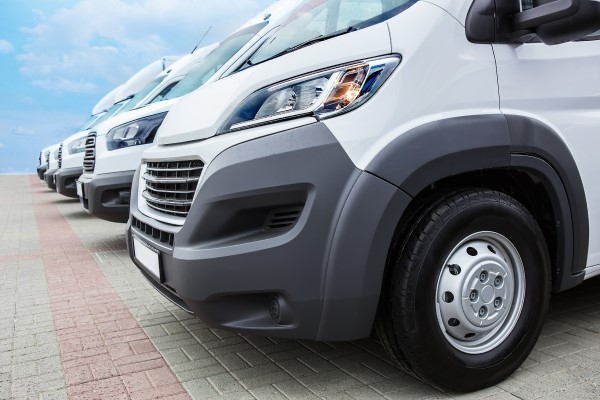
column 143, row 77
column 106, row 102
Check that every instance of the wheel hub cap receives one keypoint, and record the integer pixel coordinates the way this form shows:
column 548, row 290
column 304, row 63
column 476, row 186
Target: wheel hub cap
column 480, row 292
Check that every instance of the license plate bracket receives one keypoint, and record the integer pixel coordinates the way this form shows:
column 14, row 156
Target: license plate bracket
column 80, row 189
column 148, row 257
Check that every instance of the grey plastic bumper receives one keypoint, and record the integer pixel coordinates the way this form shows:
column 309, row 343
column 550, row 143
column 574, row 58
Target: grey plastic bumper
column 41, row 170
column 324, row 271
column 107, row 196
column 66, row 181
column 49, row 178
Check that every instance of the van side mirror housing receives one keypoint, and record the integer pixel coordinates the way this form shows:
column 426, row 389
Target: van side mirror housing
column 551, row 21
column 559, row 21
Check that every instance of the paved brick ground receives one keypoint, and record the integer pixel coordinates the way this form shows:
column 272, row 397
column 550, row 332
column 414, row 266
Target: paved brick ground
column 77, row 320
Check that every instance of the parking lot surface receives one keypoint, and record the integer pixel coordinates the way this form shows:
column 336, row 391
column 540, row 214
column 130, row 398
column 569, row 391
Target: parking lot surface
column 77, row 320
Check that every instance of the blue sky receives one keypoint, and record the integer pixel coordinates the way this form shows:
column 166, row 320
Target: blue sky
column 59, row 57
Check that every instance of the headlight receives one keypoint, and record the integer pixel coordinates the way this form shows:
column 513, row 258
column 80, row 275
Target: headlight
column 134, row 133
column 322, row 95
column 77, row 146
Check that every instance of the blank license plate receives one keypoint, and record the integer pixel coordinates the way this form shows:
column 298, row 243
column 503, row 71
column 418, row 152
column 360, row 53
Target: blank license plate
column 149, row 258
column 79, row 189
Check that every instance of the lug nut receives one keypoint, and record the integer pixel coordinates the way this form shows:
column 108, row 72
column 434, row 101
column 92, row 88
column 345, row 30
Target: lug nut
column 498, row 302
column 483, row 276
column 498, row 281
column 483, row 312
column 473, row 296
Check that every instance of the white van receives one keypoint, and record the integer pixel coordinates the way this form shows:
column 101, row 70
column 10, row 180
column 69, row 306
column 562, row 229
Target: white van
column 52, row 153
column 427, row 167
column 109, row 160
column 115, row 147
column 117, row 101
column 97, row 112
column 43, row 163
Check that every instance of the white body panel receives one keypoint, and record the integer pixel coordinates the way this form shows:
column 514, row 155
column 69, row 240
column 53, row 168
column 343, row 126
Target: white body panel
column 73, row 160
column 459, row 78
column 566, row 97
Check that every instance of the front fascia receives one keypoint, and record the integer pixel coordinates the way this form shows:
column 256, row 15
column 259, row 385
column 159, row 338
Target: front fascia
column 226, row 270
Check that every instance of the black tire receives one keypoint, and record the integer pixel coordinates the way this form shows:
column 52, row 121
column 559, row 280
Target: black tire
column 407, row 323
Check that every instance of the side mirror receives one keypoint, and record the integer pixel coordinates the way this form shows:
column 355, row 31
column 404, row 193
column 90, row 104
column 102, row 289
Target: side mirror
column 560, row 21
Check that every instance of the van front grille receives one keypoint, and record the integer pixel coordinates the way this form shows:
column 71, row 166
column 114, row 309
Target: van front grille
column 60, row 156
column 89, row 160
column 171, row 185
column 47, row 159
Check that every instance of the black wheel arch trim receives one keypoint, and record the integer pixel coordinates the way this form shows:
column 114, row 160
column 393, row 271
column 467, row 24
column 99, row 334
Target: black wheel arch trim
column 454, row 146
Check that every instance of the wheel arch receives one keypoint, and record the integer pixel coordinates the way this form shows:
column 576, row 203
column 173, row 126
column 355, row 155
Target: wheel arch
column 511, row 151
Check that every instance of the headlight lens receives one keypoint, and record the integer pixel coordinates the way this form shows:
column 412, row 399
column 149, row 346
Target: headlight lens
column 135, row 133
column 322, row 95
column 77, row 146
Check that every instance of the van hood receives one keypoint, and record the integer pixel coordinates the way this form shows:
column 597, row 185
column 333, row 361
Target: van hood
column 201, row 113
column 135, row 114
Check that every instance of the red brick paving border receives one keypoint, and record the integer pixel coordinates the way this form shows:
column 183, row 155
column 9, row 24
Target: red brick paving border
column 105, row 353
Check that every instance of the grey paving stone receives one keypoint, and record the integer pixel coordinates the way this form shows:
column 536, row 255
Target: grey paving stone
column 200, row 389
column 329, row 382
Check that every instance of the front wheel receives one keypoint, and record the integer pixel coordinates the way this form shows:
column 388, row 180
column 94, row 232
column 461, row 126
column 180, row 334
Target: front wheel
column 469, row 289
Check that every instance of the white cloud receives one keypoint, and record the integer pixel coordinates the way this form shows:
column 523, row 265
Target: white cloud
column 6, row 46
column 65, row 85
column 95, row 43
column 22, row 131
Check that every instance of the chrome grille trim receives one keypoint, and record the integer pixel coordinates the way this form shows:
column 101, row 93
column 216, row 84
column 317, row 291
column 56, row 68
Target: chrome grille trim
column 170, row 186
column 89, row 159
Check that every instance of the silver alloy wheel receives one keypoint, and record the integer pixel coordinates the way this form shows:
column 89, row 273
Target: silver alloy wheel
column 480, row 292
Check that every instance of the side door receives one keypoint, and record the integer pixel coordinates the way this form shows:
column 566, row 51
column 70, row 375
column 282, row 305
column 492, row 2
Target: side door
column 560, row 86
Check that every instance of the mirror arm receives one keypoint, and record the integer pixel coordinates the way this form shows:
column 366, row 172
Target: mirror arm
column 544, row 13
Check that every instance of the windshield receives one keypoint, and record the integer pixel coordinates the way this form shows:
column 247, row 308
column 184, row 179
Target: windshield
column 316, row 20
column 202, row 72
column 89, row 122
column 139, row 96
column 114, row 110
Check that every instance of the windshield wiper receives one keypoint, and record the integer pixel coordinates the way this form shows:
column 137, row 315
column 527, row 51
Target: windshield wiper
column 306, row 43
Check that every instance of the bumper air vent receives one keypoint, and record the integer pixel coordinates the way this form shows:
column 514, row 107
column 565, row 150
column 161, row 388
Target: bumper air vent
column 163, row 237
column 283, row 219
column 89, row 160
column 171, row 185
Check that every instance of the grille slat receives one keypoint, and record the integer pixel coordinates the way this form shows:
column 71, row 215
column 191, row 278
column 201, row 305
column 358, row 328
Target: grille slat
column 60, row 156
column 89, row 159
column 162, row 236
column 171, row 185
